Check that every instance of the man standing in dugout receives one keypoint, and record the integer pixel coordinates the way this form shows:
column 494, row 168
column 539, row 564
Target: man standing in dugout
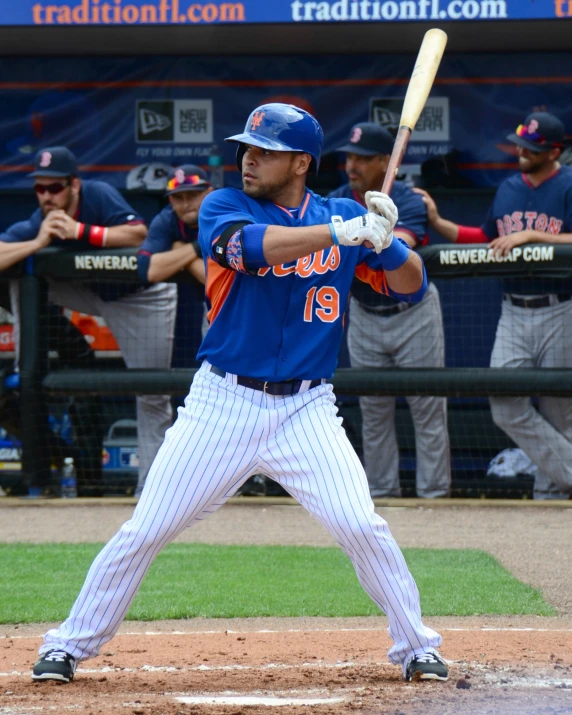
column 385, row 332
column 535, row 326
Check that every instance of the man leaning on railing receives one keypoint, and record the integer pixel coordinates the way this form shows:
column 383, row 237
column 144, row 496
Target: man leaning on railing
column 535, row 327
column 90, row 216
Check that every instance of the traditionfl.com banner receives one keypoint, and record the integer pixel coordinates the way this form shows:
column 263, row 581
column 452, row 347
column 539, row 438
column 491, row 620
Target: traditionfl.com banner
column 128, row 120
column 145, row 12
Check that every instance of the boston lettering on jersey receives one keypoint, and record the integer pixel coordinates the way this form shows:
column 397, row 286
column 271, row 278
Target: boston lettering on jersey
column 528, row 221
column 520, row 206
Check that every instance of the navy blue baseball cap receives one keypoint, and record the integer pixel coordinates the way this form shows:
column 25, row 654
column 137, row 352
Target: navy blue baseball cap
column 55, row 161
column 368, row 139
column 188, row 177
column 539, row 132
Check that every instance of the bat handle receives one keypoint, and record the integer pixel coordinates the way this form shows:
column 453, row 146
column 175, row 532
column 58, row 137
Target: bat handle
column 395, row 160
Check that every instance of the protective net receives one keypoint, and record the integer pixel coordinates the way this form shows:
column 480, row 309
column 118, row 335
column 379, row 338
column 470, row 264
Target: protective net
column 433, row 417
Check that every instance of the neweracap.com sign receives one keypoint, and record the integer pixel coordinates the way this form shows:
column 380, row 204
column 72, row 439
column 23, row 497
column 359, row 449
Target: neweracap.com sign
column 181, row 12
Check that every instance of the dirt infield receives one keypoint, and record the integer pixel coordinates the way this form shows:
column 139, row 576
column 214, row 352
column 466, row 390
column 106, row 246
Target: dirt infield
column 520, row 665
column 335, row 671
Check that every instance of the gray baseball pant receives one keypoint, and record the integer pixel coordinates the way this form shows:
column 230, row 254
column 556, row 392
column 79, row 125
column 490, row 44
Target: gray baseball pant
column 537, row 337
column 411, row 338
column 143, row 324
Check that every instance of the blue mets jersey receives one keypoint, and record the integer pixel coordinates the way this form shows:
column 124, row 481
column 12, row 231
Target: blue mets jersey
column 278, row 322
column 164, row 230
column 99, row 205
column 412, row 220
column 520, row 206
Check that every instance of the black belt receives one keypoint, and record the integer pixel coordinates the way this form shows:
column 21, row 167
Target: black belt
column 542, row 302
column 386, row 312
column 278, row 389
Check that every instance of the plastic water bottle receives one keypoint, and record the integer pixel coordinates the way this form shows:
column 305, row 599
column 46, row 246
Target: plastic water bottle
column 69, row 482
column 216, row 168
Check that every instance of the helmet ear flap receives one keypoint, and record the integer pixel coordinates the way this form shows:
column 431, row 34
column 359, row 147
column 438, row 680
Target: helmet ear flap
column 239, row 154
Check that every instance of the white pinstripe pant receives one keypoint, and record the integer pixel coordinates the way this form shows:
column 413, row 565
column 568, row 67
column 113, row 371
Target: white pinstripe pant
column 224, row 434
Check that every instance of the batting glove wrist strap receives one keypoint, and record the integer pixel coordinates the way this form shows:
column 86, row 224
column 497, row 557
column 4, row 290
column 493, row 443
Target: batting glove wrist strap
column 333, row 230
column 395, row 255
column 368, row 228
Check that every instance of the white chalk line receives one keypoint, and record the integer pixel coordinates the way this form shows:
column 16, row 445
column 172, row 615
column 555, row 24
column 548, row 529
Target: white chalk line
column 255, row 700
column 309, row 697
column 228, row 631
column 208, row 668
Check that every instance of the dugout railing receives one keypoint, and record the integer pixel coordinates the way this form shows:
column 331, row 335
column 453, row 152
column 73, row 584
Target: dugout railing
column 443, row 262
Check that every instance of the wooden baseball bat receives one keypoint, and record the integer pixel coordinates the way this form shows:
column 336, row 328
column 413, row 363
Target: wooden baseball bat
column 420, row 84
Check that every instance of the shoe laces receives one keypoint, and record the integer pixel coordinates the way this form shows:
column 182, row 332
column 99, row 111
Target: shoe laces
column 59, row 655
column 428, row 658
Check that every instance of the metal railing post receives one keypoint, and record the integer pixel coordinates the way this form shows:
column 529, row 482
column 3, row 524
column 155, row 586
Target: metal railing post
column 33, row 366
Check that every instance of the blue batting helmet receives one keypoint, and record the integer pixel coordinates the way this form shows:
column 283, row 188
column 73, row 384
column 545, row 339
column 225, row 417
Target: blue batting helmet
column 281, row 127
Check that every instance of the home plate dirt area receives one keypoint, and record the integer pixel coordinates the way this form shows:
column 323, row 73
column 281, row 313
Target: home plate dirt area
column 504, row 665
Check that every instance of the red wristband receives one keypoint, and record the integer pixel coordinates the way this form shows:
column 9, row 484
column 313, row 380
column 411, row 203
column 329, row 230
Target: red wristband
column 471, row 234
column 79, row 230
column 97, row 236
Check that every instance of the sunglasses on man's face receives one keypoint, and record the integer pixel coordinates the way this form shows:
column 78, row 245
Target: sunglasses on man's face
column 54, row 188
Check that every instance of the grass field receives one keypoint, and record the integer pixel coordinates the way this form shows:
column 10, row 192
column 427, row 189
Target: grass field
column 40, row 582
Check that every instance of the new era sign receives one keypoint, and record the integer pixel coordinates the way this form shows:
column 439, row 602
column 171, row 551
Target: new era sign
column 154, row 121
column 176, row 121
column 433, row 124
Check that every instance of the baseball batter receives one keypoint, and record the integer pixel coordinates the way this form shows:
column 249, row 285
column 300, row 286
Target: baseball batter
column 535, row 327
column 88, row 216
column 385, row 332
column 280, row 261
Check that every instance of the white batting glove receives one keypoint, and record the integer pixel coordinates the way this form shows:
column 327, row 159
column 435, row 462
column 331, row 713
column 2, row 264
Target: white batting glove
column 369, row 228
column 382, row 205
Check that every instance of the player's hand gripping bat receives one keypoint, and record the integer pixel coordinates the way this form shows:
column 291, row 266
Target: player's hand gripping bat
column 424, row 72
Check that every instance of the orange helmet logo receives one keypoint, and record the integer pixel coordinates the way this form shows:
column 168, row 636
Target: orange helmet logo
column 257, row 120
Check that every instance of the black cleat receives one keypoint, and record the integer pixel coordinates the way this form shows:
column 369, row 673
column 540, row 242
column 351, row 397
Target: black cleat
column 427, row 666
column 55, row 665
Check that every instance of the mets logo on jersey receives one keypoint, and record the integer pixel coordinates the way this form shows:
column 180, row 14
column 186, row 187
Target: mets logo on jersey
column 528, row 221
column 257, row 120
column 314, row 264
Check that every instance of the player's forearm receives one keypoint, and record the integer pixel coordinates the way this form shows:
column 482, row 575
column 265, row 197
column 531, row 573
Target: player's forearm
column 197, row 269
column 167, row 264
column 125, row 236
column 12, row 253
column 407, row 237
column 445, row 228
column 283, row 244
column 541, row 237
column 408, row 278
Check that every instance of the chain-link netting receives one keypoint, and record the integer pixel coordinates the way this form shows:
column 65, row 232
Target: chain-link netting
column 413, row 441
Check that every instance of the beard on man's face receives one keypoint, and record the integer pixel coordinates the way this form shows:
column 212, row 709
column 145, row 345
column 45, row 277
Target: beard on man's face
column 532, row 163
column 50, row 205
column 47, row 207
column 269, row 189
